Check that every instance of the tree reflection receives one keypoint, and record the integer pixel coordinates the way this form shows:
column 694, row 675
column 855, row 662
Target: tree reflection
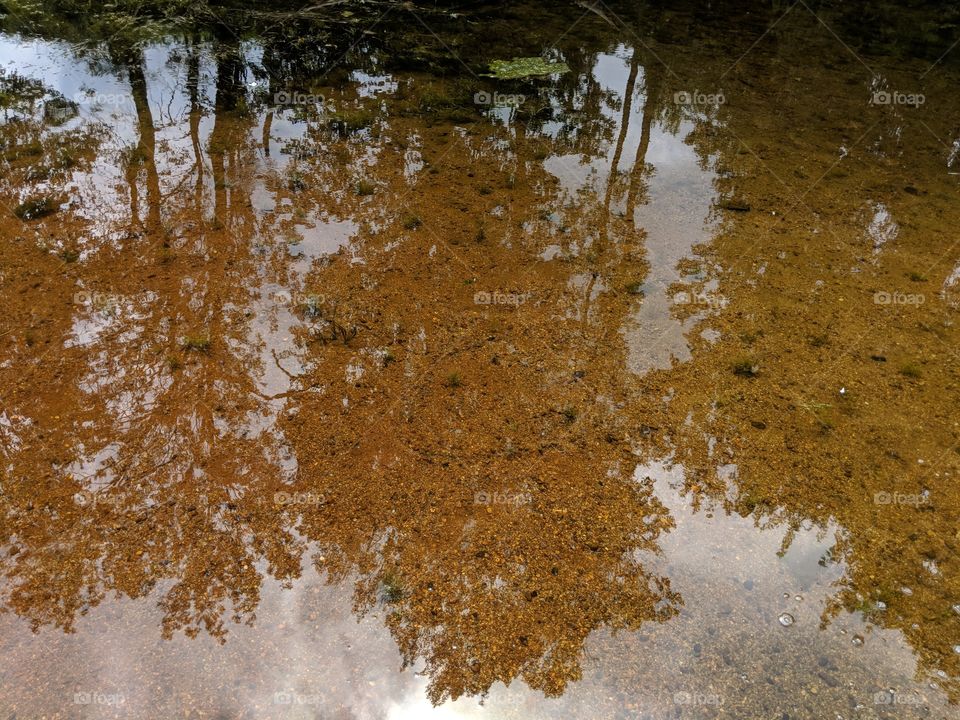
column 163, row 472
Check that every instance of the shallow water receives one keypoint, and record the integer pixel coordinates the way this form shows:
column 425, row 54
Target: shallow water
column 340, row 379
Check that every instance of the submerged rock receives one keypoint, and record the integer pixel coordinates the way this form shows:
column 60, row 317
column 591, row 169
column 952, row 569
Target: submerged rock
column 58, row 110
column 736, row 205
column 35, row 208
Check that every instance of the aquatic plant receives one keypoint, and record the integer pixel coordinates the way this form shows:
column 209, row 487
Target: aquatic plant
column 393, row 591
column 518, row 68
column 911, row 370
column 745, row 367
column 198, row 343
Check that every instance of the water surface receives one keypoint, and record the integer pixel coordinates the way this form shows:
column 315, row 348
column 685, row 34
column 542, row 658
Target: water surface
column 342, row 379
